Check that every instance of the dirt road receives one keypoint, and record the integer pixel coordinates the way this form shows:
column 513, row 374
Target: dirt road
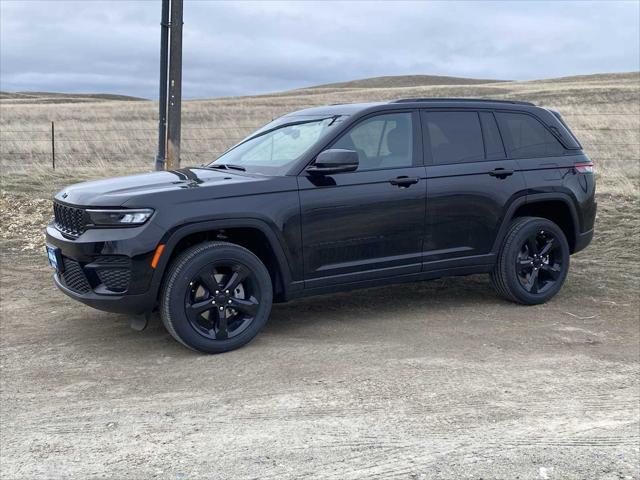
column 430, row 380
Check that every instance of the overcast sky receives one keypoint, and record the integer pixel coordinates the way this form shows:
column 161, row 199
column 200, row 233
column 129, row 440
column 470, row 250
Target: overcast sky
column 235, row 48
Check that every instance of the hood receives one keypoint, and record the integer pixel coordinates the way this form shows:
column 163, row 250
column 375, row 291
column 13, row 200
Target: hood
column 116, row 191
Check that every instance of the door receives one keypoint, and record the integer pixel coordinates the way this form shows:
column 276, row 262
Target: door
column 469, row 183
column 368, row 223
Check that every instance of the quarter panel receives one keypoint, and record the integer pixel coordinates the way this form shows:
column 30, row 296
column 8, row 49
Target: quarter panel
column 557, row 175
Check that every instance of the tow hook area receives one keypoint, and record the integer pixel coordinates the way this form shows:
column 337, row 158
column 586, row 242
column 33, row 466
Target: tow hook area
column 140, row 322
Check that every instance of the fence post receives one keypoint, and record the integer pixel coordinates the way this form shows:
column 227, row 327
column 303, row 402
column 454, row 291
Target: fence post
column 53, row 145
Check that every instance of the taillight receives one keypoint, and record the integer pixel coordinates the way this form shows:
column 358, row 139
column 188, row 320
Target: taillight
column 584, row 167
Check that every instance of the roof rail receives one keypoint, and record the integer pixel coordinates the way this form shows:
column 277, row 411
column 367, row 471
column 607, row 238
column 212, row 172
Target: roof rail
column 487, row 100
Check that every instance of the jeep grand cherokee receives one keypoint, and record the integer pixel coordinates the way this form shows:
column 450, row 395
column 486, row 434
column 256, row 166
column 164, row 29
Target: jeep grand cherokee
column 329, row 199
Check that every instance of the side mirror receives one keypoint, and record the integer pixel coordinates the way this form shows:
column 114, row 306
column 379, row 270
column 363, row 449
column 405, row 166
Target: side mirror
column 334, row 161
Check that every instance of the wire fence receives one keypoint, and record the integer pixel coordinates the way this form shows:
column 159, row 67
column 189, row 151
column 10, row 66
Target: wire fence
column 58, row 147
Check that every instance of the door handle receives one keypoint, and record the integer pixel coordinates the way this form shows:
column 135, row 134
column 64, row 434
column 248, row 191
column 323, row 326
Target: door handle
column 404, row 181
column 501, row 172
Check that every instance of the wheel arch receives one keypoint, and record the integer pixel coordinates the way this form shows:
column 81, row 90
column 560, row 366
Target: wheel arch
column 253, row 234
column 556, row 207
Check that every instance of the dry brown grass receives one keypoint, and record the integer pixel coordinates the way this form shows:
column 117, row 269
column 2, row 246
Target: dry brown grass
column 104, row 138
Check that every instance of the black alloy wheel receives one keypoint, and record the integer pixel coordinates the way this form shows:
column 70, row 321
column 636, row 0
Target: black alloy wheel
column 223, row 300
column 216, row 296
column 533, row 261
column 539, row 262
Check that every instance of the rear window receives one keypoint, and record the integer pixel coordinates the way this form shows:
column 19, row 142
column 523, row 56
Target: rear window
column 526, row 137
column 454, row 137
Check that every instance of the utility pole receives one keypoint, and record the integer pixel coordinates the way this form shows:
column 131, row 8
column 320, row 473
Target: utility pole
column 164, row 64
column 175, row 87
column 169, row 123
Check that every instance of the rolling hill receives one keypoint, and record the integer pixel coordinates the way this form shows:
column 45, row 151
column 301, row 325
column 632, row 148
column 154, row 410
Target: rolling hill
column 405, row 81
column 54, row 97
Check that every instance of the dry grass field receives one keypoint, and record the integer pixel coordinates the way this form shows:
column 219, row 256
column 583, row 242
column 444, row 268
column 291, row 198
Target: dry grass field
column 96, row 136
column 458, row 385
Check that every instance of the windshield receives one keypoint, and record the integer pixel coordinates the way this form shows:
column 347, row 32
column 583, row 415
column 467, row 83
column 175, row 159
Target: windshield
column 276, row 146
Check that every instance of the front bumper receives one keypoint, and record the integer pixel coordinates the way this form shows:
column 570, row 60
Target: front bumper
column 129, row 304
column 108, row 269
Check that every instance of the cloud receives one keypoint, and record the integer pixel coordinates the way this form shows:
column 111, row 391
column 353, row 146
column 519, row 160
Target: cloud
column 238, row 48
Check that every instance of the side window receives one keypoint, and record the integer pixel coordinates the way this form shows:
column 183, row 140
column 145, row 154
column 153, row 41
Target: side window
column 383, row 141
column 492, row 141
column 526, row 137
column 454, row 137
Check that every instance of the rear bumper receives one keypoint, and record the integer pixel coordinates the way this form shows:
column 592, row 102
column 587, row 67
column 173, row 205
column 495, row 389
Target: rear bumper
column 582, row 240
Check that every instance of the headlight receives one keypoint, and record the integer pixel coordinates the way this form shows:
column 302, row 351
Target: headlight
column 119, row 217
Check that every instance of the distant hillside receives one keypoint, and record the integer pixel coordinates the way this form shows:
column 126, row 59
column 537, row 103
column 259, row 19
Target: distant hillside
column 406, row 81
column 616, row 76
column 53, row 97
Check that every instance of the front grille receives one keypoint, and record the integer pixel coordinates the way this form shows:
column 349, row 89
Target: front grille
column 74, row 277
column 69, row 220
column 115, row 279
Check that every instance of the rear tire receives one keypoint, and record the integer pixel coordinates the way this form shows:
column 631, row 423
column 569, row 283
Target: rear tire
column 216, row 297
column 533, row 261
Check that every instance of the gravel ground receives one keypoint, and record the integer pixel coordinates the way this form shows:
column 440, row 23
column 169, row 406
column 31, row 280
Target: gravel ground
column 431, row 380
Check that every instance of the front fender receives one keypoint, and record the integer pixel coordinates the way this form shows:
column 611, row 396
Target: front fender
column 175, row 235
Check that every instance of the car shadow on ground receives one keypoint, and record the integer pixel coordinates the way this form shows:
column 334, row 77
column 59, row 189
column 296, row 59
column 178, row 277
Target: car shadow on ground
column 352, row 309
column 360, row 306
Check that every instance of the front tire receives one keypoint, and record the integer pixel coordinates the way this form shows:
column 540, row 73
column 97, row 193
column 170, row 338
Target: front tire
column 216, row 297
column 533, row 261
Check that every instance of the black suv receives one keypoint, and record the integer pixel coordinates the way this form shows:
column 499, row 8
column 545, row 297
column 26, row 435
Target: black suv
column 329, row 199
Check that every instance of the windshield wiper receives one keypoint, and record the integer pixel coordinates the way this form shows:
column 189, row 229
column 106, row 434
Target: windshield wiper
column 227, row 166
column 235, row 167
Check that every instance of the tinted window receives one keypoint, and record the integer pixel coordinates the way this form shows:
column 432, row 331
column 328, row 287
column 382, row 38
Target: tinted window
column 492, row 141
column 454, row 137
column 526, row 137
column 383, row 141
